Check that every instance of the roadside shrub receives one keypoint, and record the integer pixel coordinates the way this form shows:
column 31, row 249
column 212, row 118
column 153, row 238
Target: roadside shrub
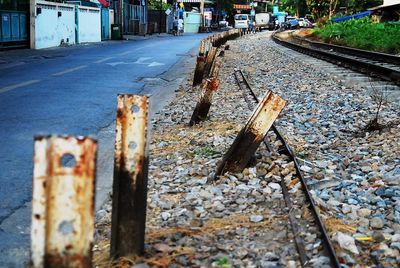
column 363, row 34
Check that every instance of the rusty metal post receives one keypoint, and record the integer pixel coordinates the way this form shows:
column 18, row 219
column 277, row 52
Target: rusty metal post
column 199, row 71
column 130, row 177
column 209, row 86
column 202, row 47
column 250, row 137
column 63, row 201
column 209, row 61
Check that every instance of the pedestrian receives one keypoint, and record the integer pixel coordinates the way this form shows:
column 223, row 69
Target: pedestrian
column 251, row 26
column 180, row 26
column 175, row 27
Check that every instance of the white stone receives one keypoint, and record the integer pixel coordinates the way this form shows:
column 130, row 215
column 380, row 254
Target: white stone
column 275, row 186
column 256, row 218
column 364, row 212
column 165, row 215
column 347, row 242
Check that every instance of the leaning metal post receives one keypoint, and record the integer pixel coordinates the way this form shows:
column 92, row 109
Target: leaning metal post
column 207, row 91
column 250, row 137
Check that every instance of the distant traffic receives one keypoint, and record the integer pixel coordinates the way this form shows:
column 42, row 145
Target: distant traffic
column 269, row 21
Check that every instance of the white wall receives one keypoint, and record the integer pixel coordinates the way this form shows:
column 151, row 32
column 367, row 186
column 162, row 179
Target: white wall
column 89, row 24
column 391, row 2
column 50, row 29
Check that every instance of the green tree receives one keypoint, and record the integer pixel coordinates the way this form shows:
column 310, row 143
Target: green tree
column 155, row 5
column 322, row 8
column 289, row 6
column 352, row 6
column 297, row 7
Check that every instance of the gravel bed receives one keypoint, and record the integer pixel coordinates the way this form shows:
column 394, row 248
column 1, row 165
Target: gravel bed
column 355, row 174
column 241, row 220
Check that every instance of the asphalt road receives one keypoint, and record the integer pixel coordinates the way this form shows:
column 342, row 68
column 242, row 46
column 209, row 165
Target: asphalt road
column 73, row 91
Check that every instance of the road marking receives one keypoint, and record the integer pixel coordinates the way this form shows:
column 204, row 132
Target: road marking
column 27, row 83
column 113, row 64
column 142, row 59
column 154, row 63
column 125, row 53
column 103, row 60
column 70, row 70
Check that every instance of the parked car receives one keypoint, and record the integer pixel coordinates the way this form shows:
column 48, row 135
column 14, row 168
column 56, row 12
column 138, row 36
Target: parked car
column 242, row 21
column 305, row 23
column 292, row 22
column 223, row 23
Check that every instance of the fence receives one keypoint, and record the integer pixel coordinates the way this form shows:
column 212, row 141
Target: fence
column 157, row 21
column 135, row 19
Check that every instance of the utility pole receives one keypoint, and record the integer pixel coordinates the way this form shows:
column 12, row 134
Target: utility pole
column 159, row 27
column 32, row 18
column 121, row 14
column 202, row 12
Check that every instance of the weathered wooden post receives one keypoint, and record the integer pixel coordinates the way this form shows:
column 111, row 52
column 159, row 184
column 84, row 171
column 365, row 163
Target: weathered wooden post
column 250, row 137
column 209, row 86
column 63, row 201
column 130, row 177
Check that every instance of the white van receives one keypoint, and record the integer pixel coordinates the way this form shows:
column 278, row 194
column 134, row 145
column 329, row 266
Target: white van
column 241, row 21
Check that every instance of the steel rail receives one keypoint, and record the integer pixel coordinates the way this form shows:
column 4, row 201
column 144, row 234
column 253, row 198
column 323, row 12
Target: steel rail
column 370, row 68
column 328, row 247
column 372, row 55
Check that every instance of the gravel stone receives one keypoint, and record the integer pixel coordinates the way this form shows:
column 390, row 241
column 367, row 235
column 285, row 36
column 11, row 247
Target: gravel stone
column 376, row 223
column 256, row 218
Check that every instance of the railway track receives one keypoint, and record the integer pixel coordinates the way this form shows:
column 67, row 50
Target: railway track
column 293, row 201
column 377, row 65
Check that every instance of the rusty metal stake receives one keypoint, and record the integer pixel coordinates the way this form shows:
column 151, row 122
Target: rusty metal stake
column 130, row 177
column 250, row 137
column 209, row 86
column 63, row 201
column 209, row 61
column 202, row 47
column 199, row 71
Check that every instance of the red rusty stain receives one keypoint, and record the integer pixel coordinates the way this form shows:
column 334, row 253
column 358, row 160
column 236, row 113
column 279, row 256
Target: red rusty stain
column 139, row 159
column 120, row 114
column 57, row 260
column 278, row 104
column 214, row 84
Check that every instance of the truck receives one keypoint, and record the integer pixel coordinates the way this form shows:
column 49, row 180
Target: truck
column 264, row 21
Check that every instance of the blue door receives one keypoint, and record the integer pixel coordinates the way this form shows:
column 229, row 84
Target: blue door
column 23, row 25
column 13, row 26
column 105, row 24
column 15, row 33
column 5, row 27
